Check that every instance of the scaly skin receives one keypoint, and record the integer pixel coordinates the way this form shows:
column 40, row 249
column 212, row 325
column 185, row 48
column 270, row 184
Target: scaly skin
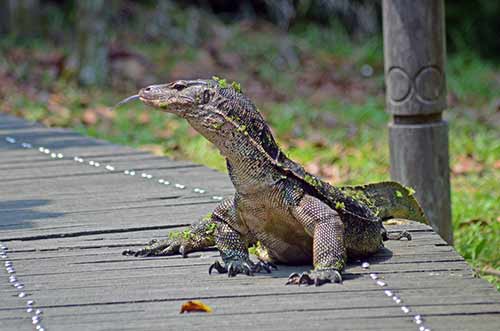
column 296, row 217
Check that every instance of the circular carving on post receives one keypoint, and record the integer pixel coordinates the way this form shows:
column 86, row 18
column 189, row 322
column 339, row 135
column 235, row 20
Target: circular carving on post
column 398, row 84
column 429, row 84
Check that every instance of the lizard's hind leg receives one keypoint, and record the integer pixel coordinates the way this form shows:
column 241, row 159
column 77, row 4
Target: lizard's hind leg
column 329, row 251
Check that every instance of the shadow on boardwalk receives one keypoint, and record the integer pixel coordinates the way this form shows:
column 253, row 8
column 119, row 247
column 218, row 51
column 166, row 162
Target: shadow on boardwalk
column 17, row 214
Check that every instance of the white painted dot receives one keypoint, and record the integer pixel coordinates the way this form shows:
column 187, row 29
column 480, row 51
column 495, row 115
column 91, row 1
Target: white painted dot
column 10, row 140
column 126, row 172
column 41, row 149
column 161, row 181
column 217, row 197
column 388, row 293
column 180, row 186
column 405, row 309
column 365, row 265
column 91, row 162
column 166, row 182
column 381, row 283
column 132, row 173
column 60, row 156
column 97, row 164
column 110, row 167
column 21, row 295
column 143, row 175
column 373, row 276
column 149, row 176
column 53, row 155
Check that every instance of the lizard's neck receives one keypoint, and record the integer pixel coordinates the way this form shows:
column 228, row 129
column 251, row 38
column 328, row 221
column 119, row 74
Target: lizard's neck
column 249, row 163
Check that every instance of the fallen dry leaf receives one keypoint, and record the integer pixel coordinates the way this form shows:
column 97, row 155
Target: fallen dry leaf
column 89, row 117
column 155, row 149
column 195, row 306
column 144, row 118
column 465, row 165
column 105, row 112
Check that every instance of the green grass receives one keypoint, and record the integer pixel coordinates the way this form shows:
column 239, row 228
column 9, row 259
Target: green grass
column 339, row 136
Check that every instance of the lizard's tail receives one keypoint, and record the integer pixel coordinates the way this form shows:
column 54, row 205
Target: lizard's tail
column 389, row 199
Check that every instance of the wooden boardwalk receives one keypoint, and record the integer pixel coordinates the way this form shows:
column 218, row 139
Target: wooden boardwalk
column 69, row 205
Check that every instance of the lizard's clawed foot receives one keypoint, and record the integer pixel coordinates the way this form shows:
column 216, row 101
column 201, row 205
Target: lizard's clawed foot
column 316, row 277
column 159, row 248
column 234, row 267
column 241, row 266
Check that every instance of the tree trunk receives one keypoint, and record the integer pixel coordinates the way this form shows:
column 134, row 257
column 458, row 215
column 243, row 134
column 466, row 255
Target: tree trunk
column 23, row 17
column 4, row 17
column 92, row 50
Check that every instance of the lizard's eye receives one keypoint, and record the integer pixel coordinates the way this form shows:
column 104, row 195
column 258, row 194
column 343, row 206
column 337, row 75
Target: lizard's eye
column 179, row 86
column 206, row 96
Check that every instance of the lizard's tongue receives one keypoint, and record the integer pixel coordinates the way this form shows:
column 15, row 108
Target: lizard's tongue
column 130, row 98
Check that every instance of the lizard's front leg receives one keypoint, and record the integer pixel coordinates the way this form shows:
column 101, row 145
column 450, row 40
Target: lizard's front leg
column 200, row 235
column 329, row 252
column 233, row 245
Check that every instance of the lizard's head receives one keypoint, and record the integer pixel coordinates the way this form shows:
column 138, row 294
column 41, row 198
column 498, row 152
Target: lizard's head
column 181, row 97
column 216, row 110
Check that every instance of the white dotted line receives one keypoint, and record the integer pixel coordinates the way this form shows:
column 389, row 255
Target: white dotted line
column 109, row 167
column 417, row 319
column 36, row 318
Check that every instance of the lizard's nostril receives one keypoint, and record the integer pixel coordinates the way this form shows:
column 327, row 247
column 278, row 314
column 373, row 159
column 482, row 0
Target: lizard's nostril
column 147, row 89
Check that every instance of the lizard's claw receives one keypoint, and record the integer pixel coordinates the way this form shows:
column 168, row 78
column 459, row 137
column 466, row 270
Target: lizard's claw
column 266, row 266
column 217, row 266
column 238, row 267
column 160, row 248
column 233, row 268
column 241, row 266
column 316, row 277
